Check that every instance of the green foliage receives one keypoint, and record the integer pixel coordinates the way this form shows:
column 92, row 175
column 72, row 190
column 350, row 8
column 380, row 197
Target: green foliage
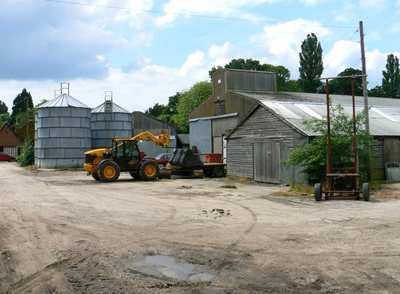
column 313, row 156
column 156, row 110
column 27, row 156
column 311, row 65
column 391, row 77
column 20, row 103
column 3, row 107
column 4, row 117
column 343, row 86
column 188, row 101
column 376, row 92
column 171, row 108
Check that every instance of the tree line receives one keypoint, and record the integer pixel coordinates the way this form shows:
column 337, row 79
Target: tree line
column 311, row 67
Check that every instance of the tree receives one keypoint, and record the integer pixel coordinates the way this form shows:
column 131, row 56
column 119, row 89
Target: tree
column 313, row 155
column 311, row 65
column 19, row 105
column 343, row 86
column 376, row 92
column 3, row 107
column 282, row 73
column 156, row 110
column 188, row 101
column 391, row 77
column 171, row 108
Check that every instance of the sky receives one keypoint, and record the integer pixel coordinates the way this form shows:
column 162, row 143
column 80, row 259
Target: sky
column 145, row 51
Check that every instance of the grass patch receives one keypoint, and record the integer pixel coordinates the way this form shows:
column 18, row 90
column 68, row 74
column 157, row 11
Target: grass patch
column 229, row 186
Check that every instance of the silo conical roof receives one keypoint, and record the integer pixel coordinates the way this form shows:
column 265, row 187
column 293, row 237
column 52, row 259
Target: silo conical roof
column 109, row 106
column 64, row 100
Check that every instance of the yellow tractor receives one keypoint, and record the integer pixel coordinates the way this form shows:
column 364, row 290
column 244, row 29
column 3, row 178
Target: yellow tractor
column 106, row 164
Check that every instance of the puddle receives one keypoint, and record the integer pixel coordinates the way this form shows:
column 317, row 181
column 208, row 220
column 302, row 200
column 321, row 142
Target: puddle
column 166, row 267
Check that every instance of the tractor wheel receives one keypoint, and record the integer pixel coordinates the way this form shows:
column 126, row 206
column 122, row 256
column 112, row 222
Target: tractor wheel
column 96, row 176
column 218, row 171
column 317, row 192
column 365, row 191
column 109, row 171
column 149, row 170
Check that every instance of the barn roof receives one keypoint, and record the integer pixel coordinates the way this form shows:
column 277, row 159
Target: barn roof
column 384, row 120
column 318, row 98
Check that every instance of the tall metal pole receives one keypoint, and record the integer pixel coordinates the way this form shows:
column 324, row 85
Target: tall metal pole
column 364, row 78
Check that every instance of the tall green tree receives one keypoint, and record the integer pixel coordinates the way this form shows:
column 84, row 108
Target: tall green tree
column 188, row 101
column 311, row 65
column 343, row 86
column 391, row 77
column 3, row 107
column 20, row 103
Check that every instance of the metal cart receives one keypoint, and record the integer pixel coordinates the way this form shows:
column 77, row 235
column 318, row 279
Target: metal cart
column 342, row 182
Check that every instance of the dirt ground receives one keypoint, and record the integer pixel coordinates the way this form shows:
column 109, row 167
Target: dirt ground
column 63, row 232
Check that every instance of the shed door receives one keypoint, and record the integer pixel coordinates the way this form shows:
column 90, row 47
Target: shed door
column 266, row 157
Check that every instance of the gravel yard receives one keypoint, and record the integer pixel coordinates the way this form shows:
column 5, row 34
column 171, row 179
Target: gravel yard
column 63, row 232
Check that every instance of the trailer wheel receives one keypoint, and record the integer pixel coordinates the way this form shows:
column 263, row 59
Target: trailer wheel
column 96, row 176
column 218, row 171
column 108, row 171
column 317, row 192
column 365, row 191
column 149, row 170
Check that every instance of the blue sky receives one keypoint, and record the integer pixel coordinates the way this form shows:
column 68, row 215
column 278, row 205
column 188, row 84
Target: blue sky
column 145, row 51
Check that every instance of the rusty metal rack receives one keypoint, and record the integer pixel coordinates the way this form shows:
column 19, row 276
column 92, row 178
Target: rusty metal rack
column 336, row 177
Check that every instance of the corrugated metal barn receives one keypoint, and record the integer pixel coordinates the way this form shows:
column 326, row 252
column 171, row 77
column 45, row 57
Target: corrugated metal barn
column 258, row 145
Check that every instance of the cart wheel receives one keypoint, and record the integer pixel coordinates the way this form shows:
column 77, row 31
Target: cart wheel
column 365, row 191
column 317, row 192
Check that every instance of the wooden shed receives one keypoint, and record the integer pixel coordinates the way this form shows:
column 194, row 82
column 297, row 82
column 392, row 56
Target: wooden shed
column 259, row 144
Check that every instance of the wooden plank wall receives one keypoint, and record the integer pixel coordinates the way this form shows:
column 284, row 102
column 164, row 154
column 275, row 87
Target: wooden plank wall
column 261, row 126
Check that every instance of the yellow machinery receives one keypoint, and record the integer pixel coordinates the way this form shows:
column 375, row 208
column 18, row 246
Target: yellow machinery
column 106, row 164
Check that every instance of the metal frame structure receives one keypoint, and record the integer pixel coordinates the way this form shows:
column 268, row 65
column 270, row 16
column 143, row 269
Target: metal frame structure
column 341, row 172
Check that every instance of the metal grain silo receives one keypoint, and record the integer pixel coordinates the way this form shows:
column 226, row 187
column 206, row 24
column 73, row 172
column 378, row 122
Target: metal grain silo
column 62, row 133
column 108, row 121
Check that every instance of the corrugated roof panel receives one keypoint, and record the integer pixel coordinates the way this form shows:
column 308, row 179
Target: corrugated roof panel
column 384, row 121
column 309, row 111
column 385, row 115
column 64, row 100
column 281, row 109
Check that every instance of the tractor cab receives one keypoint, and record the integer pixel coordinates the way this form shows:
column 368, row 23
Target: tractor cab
column 126, row 153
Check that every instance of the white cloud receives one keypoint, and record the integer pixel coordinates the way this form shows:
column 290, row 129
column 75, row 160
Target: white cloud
column 221, row 8
column 216, row 51
column 194, row 61
column 280, row 44
column 344, row 54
